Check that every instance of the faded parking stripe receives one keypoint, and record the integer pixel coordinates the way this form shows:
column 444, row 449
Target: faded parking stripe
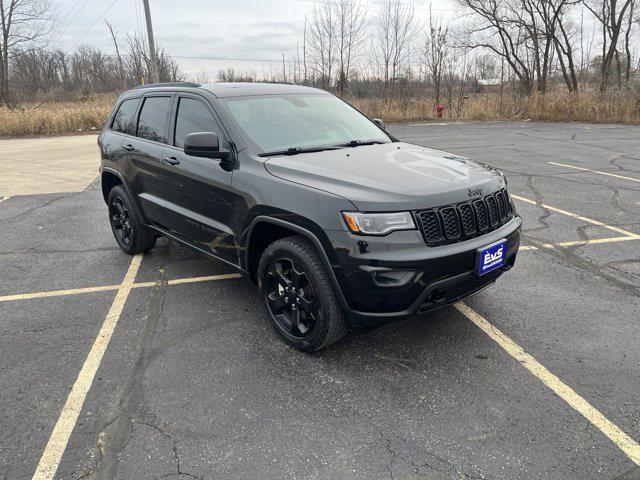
column 579, row 217
column 106, row 288
column 627, row 444
column 595, row 171
column 57, row 443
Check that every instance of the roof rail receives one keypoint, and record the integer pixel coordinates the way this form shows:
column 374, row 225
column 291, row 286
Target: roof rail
column 168, row 84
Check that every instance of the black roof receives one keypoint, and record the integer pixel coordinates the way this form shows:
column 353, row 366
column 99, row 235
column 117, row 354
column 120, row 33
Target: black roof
column 235, row 89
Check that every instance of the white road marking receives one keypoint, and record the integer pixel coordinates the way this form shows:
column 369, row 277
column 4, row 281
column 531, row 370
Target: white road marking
column 595, row 171
column 57, row 443
column 2, row 199
column 627, row 444
column 579, row 217
column 105, row 288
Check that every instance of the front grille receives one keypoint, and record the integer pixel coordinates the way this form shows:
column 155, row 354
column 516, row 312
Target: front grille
column 454, row 223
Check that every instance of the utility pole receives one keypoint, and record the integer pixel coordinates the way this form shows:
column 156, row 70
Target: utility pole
column 155, row 78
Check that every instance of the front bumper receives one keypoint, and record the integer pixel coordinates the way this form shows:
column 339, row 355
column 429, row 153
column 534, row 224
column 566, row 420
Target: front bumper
column 437, row 276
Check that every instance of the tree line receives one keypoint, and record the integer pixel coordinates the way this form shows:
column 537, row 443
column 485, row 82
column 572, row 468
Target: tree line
column 525, row 43
column 349, row 47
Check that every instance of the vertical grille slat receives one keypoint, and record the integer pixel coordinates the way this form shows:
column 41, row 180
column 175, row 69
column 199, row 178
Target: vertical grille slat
column 450, row 223
column 482, row 216
column 453, row 223
column 467, row 219
column 507, row 202
column 492, row 208
column 430, row 226
column 502, row 208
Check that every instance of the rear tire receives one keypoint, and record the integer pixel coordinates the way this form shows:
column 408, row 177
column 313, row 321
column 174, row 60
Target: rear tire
column 127, row 227
column 299, row 297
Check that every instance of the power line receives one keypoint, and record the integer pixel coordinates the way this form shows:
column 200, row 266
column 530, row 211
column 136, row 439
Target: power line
column 72, row 19
column 94, row 24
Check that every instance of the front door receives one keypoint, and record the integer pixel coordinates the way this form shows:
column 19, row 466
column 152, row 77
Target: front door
column 200, row 203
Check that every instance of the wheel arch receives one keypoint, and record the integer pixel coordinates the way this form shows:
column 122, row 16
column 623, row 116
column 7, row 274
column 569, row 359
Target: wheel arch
column 276, row 228
column 110, row 178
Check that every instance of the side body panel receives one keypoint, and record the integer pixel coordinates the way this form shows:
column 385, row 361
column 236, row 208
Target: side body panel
column 200, row 199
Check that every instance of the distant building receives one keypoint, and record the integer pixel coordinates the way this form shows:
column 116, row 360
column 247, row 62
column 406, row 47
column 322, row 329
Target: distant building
column 489, row 82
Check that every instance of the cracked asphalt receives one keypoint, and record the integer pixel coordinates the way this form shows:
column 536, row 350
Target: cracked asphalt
column 196, row 384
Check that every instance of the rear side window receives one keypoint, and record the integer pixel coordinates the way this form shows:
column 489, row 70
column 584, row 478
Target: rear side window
column 125, row 119
column 152, row 123
column 194, row 116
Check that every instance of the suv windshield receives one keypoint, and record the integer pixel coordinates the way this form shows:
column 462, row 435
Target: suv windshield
column 299, row 122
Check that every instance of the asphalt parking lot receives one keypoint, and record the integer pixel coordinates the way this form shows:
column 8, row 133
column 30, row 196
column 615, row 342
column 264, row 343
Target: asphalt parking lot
column 164, row 366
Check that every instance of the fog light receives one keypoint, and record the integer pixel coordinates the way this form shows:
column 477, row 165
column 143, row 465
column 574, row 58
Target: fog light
column 392, row 278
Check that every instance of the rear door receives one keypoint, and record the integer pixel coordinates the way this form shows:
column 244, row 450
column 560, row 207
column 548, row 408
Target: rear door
column 200, row 202
column 146, row 171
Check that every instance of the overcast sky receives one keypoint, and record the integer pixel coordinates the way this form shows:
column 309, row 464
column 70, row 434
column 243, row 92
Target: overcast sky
column 252, row 33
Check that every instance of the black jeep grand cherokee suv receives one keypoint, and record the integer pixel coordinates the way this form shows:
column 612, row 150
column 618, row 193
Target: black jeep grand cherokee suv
column 334, row 219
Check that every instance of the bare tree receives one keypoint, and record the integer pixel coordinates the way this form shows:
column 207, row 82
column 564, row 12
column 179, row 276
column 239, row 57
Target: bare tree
column 350, row 31
column 22, row 22
column 436, row 50
column 118, row 56
column 322, row 38
column 393, row 35
column 493, row 28
column 611, row 15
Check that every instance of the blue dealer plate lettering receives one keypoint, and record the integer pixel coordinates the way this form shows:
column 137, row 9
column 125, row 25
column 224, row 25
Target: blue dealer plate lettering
column 491, row 257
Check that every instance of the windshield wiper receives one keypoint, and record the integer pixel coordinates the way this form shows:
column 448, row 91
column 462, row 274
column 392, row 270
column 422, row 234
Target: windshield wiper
column 297, row 150
column 358, row 143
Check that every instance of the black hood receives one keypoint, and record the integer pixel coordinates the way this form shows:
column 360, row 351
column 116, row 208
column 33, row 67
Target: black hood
column 392, row 176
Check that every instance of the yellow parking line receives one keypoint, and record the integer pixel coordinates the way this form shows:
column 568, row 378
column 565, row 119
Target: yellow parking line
column 627, row 444
column 573, row 243
column 598, row 241
column 579, row 217
column 595, row 171
column 57, row 443
column 227, row 276
column 105, row 288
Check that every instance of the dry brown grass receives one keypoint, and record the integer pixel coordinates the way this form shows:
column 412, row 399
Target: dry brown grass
column 60, row 118
column 614, row 107
column 55, row 118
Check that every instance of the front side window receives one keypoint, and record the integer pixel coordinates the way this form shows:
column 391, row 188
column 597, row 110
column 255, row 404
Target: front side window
column 152, row 124
column 279, row 122
column 194, row 116
column 124, row 120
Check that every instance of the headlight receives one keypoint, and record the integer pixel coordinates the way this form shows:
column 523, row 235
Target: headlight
column 378, row 223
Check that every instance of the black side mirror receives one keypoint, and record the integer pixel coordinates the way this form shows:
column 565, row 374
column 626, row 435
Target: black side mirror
column 378, row 122
column 205, row 145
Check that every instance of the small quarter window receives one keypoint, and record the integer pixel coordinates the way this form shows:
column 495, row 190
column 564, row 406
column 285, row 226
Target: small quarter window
column 152, row 124
column 124, row 120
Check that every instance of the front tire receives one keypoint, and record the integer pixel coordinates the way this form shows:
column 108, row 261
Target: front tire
column 127, row 227
column 299, row 296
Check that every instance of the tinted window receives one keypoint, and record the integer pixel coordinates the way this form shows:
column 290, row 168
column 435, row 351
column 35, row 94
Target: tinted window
column 125, row 118
column 193, row 116
column 152, row 124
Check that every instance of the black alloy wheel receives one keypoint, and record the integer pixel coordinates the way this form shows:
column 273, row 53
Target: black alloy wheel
column 299, row 296
column 132, row 235
column 121, row 221
column 291, row 298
